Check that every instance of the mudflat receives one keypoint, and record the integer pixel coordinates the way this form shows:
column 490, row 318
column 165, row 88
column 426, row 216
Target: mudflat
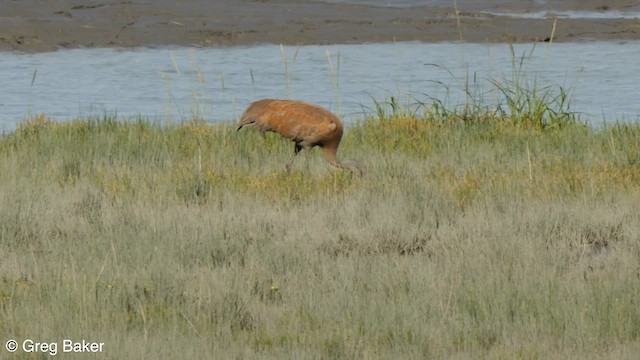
column 46, row 25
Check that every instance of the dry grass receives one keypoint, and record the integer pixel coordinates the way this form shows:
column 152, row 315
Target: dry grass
column 464, row 239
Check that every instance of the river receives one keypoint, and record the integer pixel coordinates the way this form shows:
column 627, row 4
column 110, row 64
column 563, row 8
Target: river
column 174, row 84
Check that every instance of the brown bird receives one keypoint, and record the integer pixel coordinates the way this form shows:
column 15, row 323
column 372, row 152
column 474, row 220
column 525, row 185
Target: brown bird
column 307, row 125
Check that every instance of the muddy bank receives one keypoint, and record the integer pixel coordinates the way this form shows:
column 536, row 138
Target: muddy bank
column 45, row 25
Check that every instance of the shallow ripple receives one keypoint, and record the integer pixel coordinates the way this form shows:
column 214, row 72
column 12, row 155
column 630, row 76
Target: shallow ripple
column 173, row 84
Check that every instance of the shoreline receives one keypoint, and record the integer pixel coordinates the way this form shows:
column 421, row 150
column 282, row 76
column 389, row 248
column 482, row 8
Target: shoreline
column 30, row 27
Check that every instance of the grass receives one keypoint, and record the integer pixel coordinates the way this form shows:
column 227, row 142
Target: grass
column 471, row 235
column 519, row 98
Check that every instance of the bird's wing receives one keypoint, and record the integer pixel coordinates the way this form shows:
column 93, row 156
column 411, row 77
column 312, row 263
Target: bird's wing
column 303, row 122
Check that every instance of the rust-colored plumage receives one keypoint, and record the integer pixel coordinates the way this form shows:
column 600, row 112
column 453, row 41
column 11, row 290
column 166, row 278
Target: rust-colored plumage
column 307, row 125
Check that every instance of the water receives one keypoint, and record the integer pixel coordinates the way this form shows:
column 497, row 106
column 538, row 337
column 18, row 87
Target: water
column 522, row 8
column 173, row 84
column 393, row 3
column 574, row 14
column 536, row 9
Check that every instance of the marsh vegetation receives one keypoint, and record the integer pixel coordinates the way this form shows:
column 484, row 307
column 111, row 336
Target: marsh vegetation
column 499, row 233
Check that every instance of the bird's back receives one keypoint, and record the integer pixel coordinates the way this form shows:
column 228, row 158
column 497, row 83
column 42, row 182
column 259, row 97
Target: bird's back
column 302, row 122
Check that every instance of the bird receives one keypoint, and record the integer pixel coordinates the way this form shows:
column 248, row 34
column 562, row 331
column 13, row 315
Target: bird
column 306, row 124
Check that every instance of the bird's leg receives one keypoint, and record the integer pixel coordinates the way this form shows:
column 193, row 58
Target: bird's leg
column 306, row 157
column 296, row 150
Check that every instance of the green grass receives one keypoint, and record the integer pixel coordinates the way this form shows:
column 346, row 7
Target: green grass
column 470, row 235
